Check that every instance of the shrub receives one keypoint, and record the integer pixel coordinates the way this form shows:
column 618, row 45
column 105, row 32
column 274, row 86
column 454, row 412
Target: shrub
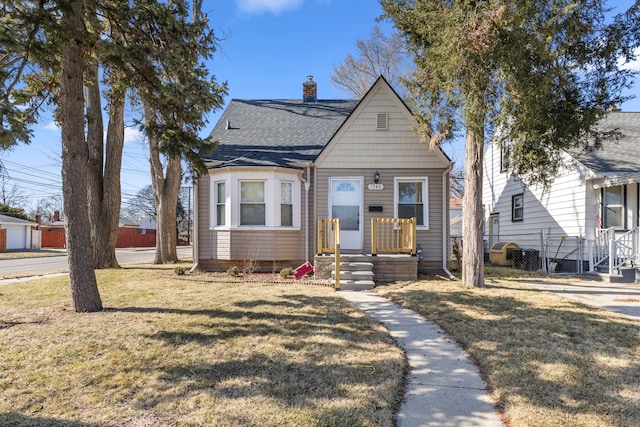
column 286, row 272
column 180, row 271
column 233, row 271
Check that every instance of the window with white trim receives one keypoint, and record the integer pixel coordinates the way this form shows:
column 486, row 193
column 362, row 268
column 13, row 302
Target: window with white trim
column 221, row 203
column 517, row 207
column 412, row 200
column 255, row 198
column 286, row 204
column 613, row 206
column 252, row 203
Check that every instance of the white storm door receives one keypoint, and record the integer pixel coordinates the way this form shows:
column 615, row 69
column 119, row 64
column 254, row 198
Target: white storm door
column 346, row 204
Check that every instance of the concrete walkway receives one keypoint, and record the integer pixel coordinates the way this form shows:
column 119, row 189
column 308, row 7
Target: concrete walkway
column 622, row 298
column 444, row 388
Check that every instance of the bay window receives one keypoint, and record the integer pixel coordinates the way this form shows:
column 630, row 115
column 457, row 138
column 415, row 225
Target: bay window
column 252, row 203
column 286, row 204
column 255, row 199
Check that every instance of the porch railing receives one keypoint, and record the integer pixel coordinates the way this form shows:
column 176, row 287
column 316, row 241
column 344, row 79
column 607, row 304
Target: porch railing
column 328, row 235
column 615, row 250
column 395, row 235
column 603, row 237
column 625, row 250
column 389, row 235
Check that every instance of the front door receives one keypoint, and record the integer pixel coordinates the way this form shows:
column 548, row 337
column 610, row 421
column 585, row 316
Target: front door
column 345, row 203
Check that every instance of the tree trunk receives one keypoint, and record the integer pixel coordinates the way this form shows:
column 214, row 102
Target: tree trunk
column 75, row 174
column 472, row 214
column 165, row 192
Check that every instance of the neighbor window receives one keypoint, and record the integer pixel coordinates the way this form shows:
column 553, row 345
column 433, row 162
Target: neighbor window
column 504, row 155
column 286, row 204
column 613, row 206
column 411, row 197
column 517, row 207
column 252, row 204
column 221, row 199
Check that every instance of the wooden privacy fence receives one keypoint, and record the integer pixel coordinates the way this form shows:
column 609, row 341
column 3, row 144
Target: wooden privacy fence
column 394, row 235
column 3, row 240
column 56, row 239
column 53, row 239
column 136, row 240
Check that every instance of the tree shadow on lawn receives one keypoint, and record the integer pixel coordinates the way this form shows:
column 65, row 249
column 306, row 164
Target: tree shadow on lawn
column 295, row 348
column 563, row 356
column 14, row 419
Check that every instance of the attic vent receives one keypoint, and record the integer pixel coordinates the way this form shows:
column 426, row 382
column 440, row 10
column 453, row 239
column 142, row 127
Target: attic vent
column 382, row 121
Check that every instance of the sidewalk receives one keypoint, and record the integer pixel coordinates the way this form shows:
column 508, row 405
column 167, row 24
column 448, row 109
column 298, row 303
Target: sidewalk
column 622, row 298
column 444, row 388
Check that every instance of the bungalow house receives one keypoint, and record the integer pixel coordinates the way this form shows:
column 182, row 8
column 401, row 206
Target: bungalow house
column 285, row 170
column 593, row 204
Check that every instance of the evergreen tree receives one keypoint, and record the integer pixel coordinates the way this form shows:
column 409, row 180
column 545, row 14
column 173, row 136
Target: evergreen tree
column 541, row 73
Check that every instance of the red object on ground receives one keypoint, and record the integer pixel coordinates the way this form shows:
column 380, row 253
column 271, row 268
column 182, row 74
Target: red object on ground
column 303, row 270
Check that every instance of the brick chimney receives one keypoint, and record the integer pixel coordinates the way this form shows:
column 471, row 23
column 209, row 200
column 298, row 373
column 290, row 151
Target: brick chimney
column 56, row 216
column 309, row 90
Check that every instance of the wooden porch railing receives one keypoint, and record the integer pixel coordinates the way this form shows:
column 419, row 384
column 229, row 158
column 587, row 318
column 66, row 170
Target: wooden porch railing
column 395, row 235
column 329, row 242
column 328, row 235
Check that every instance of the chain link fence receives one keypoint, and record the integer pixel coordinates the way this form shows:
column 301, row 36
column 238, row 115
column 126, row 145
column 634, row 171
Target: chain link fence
column 551, row 253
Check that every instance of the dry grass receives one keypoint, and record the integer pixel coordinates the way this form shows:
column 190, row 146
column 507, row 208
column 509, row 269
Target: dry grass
column 549, row 361
column 33, row 253
column 173, row 352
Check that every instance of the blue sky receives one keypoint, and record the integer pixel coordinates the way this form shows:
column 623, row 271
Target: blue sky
column 268, row 49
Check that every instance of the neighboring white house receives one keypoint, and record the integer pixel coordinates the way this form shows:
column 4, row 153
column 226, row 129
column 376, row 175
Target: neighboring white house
column 593, row 200
column 18, row 231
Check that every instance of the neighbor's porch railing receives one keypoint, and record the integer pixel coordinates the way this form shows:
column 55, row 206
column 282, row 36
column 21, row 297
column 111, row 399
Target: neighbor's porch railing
column 616, row 250
column 600, row 246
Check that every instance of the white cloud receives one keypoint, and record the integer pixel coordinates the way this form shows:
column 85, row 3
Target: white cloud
column 132, row 135
column 273, row 6
column 52, row 126
column 632, row 65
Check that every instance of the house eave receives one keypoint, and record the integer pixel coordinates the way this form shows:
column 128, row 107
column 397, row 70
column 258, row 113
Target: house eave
column 611, row 179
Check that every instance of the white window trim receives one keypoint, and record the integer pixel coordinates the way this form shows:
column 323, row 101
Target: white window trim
column 425, row 197
column 272, row 180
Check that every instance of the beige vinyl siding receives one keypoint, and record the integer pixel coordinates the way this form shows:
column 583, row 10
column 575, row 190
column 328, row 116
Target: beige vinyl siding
column 430, row 240
column 246, row 244
column 359, row 143
column 204, row 240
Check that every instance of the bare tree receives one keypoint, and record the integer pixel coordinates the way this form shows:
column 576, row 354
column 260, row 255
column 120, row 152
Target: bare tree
column 379, row 55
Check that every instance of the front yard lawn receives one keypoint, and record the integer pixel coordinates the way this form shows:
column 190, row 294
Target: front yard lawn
column 549, row 361
column 172, row 351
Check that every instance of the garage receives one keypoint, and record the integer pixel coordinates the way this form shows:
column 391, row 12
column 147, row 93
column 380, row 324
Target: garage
column 18, row 232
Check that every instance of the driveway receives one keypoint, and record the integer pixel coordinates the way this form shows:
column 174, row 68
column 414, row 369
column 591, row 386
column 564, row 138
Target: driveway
column 623, row 298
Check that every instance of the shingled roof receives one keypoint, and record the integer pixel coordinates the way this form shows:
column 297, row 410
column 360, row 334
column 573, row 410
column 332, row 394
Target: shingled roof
column 617, row 157
column 276, row 132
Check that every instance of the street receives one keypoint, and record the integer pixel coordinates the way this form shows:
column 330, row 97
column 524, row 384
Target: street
column 39, row 265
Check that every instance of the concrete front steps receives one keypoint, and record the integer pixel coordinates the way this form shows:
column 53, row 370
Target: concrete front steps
column 625, row 274
column 354, row 275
